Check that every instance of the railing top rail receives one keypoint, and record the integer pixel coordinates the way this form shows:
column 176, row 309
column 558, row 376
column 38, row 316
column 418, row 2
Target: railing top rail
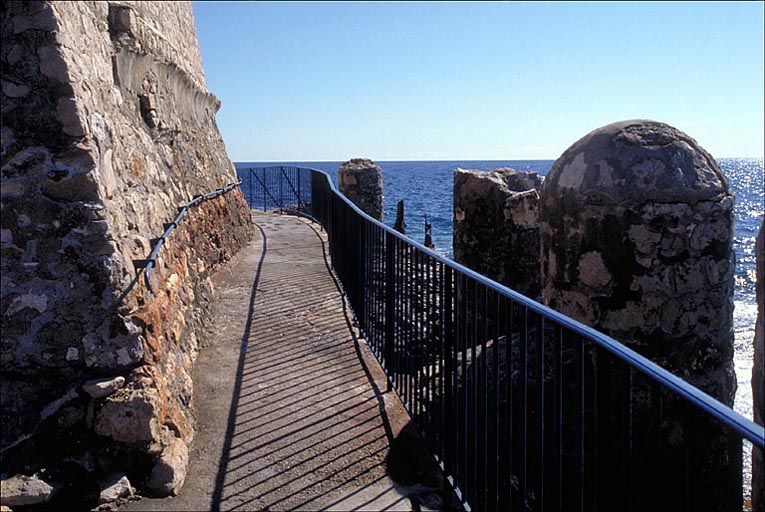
column 743, row 426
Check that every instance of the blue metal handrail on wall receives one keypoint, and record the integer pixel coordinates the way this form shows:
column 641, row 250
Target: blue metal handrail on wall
column 523, row 407
column 151, row 261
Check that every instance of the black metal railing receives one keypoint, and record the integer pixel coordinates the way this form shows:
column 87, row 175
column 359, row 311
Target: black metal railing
column 157, row 243
column 523, row 407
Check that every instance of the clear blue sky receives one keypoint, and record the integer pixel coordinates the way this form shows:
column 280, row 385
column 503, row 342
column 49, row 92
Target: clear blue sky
column 446, row 81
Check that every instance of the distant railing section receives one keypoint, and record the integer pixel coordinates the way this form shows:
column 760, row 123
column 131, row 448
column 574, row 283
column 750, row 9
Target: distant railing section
column 157, row 243
column 523, row 407
column 283, row 188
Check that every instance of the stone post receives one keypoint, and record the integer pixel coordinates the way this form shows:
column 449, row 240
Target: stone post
column 758, row 374
column 361, row 181
column 496, row 231
column 636, row 224
column 400, row 224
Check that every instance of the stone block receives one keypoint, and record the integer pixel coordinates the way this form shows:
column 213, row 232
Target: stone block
column 114, row 487
column 131, row 416
column 99, row 388
column 169, row 472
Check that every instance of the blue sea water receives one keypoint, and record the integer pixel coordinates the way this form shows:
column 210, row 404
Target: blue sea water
column 426, row 188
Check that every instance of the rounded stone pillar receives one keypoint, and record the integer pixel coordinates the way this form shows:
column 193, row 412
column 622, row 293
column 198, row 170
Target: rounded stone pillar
column 636, row 224
column 360, row 181
column 636, row 232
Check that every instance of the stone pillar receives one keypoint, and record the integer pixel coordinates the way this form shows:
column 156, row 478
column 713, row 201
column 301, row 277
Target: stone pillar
column 636, row 224
column 758, row 374
column 496, row 231
column 361, row 181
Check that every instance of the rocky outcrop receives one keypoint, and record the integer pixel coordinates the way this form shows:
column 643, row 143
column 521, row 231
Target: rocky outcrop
column 107, row 127
column 758, row 374
column 496, row 230
column 636, row 225
column 360, row 181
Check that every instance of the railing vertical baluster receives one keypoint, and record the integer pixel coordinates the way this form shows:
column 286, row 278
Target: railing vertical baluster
column 689, row 452
column 279, row 180
column 484, row 400
column 416, row 341
column 474, row 381
column 539, row 341
column 389, row 302
column 464, row 427
column 524, row 431
column 510, row 454
column 427, row 315
column 299, row 192
column 579, row 424
column 498, row 431
column 362, row 272
column 625, row 424
column 557, row 421
column 402, row 325
column 449, row 367
column 657, row 453
column 403, row 321
column 408, row 277
column 420, row 345
column 735, row 498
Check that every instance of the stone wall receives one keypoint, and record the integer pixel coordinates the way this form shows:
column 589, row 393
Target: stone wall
column 360, row 181
column 107, row 128
column 496, row 230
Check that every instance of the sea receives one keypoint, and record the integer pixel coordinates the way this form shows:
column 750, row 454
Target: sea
column 426, row 189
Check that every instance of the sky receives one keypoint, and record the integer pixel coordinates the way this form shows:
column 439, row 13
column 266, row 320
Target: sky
column 324, row 81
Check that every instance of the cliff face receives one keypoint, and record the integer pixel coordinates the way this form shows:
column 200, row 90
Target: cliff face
column 107, row 128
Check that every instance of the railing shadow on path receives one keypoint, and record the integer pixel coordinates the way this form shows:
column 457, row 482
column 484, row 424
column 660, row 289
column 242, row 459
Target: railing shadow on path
column 291, row 444
column 408, row 461
column 223, row 465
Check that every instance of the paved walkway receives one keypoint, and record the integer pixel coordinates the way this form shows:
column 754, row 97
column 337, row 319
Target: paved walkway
column 310, row 426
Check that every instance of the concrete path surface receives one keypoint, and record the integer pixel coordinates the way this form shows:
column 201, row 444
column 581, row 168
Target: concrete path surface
column 291, row 405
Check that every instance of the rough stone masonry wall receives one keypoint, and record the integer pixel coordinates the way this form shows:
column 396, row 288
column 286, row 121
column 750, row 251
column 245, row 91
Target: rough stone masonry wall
column 107, row 128
column 496, row 229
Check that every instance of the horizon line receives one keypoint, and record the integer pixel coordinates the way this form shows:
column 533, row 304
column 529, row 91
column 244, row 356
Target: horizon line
column 450, row 160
